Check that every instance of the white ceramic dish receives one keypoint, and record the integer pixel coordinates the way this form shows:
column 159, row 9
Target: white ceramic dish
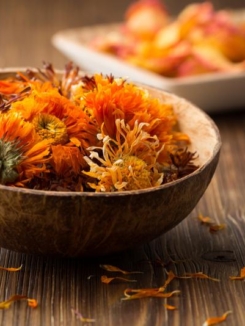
column 216, row 92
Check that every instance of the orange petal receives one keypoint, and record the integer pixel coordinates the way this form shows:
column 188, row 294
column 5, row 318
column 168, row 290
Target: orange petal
column 171, row 276
column 131, row 294
column 6, row 304
column 216, row 320
column 216, row 227
column 111, row 268
column 204, row 219
column 241, row 277
column 32, row 303
column 170, row 307
column 107, row 280
column 11, row 269
column 201, row 275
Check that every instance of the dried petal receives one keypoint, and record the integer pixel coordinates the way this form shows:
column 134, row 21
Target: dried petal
column 147, row 293
column 216, row 227
column 205, row 219
column 216, row 320
column 111, row 268
column 107, row 280
column 6, row 304
column 170, row 307
column 213, row 227
column 171, row 276
column 11, row 269
column 32, row 303
column 201, row 275
column 241, row 277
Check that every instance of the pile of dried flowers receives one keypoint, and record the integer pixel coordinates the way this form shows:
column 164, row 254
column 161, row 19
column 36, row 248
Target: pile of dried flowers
column 198, row 40
column 86, row 133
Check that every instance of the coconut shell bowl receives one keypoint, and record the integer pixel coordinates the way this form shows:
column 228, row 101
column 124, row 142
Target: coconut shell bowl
column 87, row 224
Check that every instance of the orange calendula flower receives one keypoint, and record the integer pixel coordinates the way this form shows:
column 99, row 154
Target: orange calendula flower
column 128, row 162
column 22, row 156
column 56, row 119
column 111, row 99
column 65, row 158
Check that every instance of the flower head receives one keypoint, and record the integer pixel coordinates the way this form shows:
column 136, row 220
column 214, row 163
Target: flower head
column 56, row 119
column 128, row 162
column 111, row 99
column 22, row 156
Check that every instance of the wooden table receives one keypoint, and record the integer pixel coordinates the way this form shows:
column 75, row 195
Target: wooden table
column 61, row 285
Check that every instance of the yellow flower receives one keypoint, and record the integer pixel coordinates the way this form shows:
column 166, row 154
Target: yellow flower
column 128, row 163
column 50, row 127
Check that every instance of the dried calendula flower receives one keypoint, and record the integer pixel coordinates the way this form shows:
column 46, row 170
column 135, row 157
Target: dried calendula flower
column 22, row 154
column 240, row 277
column 111, row 268
column 216, row 320
column 6, row 304
column 88, row 133
column 107, row 280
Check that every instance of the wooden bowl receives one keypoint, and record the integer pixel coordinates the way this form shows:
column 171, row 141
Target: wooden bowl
column 75, row 224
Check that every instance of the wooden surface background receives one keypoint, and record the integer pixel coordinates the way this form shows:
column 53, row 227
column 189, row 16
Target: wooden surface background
column 62, row 284
column 26, row 27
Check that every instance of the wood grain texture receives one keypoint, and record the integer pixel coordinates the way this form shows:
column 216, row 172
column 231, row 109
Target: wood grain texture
column 62, row 284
